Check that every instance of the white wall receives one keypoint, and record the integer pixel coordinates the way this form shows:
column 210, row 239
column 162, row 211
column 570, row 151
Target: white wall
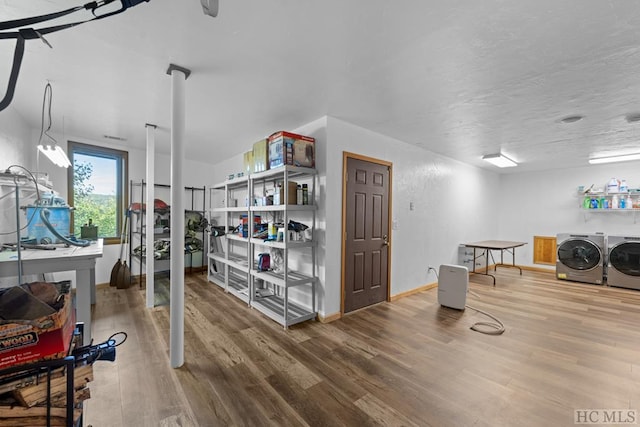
column 454, row 203
column 547, row 203
column 14, row 137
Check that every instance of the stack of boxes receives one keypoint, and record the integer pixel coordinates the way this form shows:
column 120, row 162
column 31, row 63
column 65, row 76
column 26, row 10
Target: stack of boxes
column 280, row 149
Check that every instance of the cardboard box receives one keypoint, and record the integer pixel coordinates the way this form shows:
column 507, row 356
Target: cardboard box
column 292, row 196
column 286, row 148
column 248, row 162
column 47, row 337
column 261, row 156
column 244, row 226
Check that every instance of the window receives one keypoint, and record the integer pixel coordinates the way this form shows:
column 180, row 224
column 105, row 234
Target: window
column 97, row 189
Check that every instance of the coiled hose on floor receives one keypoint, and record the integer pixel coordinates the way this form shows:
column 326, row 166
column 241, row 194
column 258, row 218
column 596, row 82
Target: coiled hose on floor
column 495, row 328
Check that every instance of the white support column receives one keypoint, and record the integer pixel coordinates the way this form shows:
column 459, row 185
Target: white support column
column 179, row 76
column 150, row 214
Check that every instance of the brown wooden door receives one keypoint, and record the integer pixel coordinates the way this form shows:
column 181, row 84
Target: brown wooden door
column 366, row 234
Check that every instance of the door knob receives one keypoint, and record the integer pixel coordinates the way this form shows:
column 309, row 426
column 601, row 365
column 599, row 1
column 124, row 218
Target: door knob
column 385, row 240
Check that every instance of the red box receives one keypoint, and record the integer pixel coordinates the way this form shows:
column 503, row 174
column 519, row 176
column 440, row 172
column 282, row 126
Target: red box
column 286, row 148
column 23, row 343
column 244, row 228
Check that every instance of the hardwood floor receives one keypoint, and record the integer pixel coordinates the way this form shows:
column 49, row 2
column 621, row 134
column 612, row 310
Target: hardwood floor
column 407, row 363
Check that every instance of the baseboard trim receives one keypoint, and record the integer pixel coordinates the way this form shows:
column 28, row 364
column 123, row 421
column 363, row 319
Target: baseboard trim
column 414, row 291
column 330, row 318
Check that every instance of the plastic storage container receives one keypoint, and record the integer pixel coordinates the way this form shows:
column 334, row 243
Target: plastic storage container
column 59, row 218
column 623, row 186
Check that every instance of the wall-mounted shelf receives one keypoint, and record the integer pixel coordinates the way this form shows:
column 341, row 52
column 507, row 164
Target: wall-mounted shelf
column 603, row 201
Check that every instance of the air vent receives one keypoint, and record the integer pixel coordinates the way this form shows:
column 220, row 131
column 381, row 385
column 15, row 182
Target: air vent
column 115, row 138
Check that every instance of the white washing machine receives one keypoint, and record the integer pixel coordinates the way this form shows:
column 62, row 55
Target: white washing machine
column 623, row 267
column 581, row 257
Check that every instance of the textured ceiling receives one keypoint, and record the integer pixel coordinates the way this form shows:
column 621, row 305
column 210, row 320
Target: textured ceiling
column 462, row 78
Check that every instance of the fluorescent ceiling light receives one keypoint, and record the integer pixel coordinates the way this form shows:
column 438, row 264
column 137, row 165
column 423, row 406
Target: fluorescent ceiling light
column 499, row 160
column 613, row 159
column 56, row 154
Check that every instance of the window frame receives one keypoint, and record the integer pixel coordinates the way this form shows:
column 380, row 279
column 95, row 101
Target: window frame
column 123, row 179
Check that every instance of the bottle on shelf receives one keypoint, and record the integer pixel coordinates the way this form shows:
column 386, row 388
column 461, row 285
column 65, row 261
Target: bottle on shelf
column 629, row 202
column 615, row 202
column 299, row 195
column 622, row 204
column 305, row 194
column 623, row 186
column 272, row 231
column 278, row 195
column 613, row 186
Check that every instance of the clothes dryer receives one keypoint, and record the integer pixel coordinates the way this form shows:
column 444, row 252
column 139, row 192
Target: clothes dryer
column 581, row 257
column 623, row 267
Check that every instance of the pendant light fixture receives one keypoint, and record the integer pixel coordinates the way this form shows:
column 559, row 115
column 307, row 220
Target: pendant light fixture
column 54, row 152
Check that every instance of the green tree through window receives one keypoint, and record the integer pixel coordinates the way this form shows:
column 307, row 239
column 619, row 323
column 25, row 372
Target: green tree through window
column 97, row 189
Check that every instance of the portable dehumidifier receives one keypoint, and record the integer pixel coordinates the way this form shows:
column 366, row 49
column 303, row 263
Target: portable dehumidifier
column 453, row 283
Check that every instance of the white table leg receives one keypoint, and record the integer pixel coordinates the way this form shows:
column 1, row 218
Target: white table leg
column 92, row 274
column 83, row 301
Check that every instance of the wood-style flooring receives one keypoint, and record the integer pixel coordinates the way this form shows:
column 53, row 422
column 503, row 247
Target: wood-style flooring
column 411, row 362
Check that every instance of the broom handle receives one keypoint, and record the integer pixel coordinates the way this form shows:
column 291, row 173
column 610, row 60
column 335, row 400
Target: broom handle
column 127, row 226
column 124, row 225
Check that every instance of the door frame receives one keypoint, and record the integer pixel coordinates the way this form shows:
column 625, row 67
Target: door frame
column 345, row 156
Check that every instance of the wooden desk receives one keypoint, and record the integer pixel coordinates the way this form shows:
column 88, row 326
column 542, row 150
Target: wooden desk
column 495, row 245
column 74, row 258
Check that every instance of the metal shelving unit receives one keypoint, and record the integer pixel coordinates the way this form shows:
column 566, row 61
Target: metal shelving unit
column 228, row 266
column 137, row 233
column 266, row 291
column 272, row 292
